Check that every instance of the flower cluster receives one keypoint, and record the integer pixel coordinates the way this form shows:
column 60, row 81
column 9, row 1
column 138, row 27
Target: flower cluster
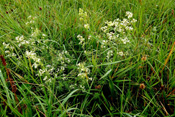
column 63, row 59
column 32, row 55
column 31, row 20
column 9, row 50
column 82, row 40
column 109, row 54
column 83, row 71
column 113, row 38
column 83, row 17
column 116, row 33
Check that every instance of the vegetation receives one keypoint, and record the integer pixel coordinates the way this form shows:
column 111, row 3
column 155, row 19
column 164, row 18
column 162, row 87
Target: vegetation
column 87, row 58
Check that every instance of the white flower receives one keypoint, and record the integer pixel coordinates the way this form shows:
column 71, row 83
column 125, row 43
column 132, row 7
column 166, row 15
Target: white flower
column 83, row 15
column 62, row 68
column 90, row 79
column 82, row 75
column 129, row 14
column 19, row 38
column 45, row 78
column 13, row 54
column 125, row 40
column 120, row 53
column 35, row 65
column 30, row 17
column 86, row 26
column 44, row 35
column 129, row 28
column 109, row 54
column 89, row 37
column 83, row 87
column 154, row 29
column 7, row 51
column 72, row 86
column 133, row 20
column 6, row 45
column 81, row 39
column 48, row 66
column 124, row 22
column 110, row 23
column 35, row 33
column 41, row 72
column 104, row 29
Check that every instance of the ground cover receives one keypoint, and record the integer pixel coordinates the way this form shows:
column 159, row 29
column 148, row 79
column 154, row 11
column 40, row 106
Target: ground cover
column 87, row 58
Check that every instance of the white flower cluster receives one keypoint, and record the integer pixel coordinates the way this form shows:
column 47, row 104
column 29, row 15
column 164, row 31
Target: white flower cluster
column 119, row 26
column 63, row 60
column 21, row 41
column 120, row 53
column 109, row 54
column 72, row 86
column 129, row 14
column 9, row 50
column 125, row 40
column 115, row 32
column 31, row 20
column 104, row 43
column 32, row 55
column 48, row 70
column 83, row 17
column 82, row 40
column 35, row 33
column 82, row 14
column 83, row 71
column 25, row 44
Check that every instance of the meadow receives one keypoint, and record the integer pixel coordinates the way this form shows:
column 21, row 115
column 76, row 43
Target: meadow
column 86, row 58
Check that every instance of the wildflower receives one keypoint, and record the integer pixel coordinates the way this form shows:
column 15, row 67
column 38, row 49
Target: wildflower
column 104, row 29
column 82, row 75
column 120, row 53
column 125, row 40
column 124, row 22
column 104, row 43
column 83, row 15
column 133, row 20
column 82, row 87
column 109, row 54
column 45, row 78
column 110, row 23
column 35, row 33
column 89, row 37
column 44, row 35
column 81, row 39
column 62, row 68
column 129, row 14
column 83, row 71
column 41, row 72
column 154, row 29
column 129, row 28
column 7, row 51
column 35, row 65
column 86, row 26
column 19, row 38
column 72, row 86
column 90, row 79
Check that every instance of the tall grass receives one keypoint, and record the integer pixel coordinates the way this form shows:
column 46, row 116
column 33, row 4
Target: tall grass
column 62, row 65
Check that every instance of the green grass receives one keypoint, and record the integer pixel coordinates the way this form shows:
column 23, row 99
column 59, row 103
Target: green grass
column 56, row 72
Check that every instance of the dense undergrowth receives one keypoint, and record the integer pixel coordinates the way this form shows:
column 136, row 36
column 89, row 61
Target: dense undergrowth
column 87, row 58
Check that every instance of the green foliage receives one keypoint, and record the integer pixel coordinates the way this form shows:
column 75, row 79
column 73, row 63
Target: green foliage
column 87, row 57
